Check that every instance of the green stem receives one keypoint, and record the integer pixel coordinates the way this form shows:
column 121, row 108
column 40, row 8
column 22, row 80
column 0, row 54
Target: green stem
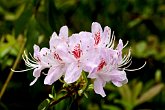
column 54, row 102
column 14, row 67
column 86, row 82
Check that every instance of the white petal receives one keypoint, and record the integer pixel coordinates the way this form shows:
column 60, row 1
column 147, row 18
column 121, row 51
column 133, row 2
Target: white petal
column 36, row 47
column 54, row 74
column 96, row 27
column 63, row 32
column 97, row 33
column 62, row 50
column 98, row 87
column 118, row 78
column 53, row 40
column 120, row 83
column 36, row 51
column 73, row 73
column 37, row 71
column 120, row 45
column 91, row 60
column 44, row 51
column 87, row 41
column 117, row 83
column 90, row 66
column 107, row 34
column 92, row 75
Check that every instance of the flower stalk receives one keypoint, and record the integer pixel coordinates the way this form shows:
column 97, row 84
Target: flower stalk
column 23, row 42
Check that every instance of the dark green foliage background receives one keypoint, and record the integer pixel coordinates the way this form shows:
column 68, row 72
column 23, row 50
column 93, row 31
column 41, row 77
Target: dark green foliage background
column 141, row 22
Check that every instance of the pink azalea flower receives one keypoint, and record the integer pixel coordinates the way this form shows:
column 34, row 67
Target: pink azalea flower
column 76, row 54
column 102, row 38
column 38, row 63
column 108, row 70
column 58, row 66
column 92, row 52
column 56, row 40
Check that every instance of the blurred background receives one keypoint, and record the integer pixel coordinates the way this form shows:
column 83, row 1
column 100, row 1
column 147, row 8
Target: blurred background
column 24, row 23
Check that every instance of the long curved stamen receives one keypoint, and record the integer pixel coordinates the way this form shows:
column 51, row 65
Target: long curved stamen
column 32, row 57
column 44, row 73
column 137, row 68
column 126, row 44
column 126, row 60
column 125, row 63
column 29, row 64
column 27, row 60
column 22, row 70
column 128, row 65
column 127, row 57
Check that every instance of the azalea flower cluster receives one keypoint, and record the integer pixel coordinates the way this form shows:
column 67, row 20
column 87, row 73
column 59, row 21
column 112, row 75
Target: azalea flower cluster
column 93, row 52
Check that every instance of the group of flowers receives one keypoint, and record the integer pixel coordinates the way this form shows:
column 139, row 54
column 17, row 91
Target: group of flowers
column 93, row 52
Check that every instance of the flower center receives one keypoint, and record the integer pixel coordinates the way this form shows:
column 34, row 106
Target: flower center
column 77, row 51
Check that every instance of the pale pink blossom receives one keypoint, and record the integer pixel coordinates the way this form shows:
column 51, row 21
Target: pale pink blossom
column 38, row 63
column 58, row 66
column 108, row 71
column 76, row 54
column 102, row 38
column 92, row 52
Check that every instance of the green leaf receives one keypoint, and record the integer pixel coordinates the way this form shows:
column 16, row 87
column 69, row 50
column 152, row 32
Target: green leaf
column 9, row 62
column 158, row 75
column 141, row 48
column 51, row 96
column 44, row 105
column 52, row 14
column 111, row 96
column 53, row 92
column 85, row 94
column 11, row 40
column 110, row 107
column 4, row 49
column 148, row 95
column 61, row 105
column 136, row 91
column 127, row 105
column 134, row 22
column 22, row 21
column 125, row 92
